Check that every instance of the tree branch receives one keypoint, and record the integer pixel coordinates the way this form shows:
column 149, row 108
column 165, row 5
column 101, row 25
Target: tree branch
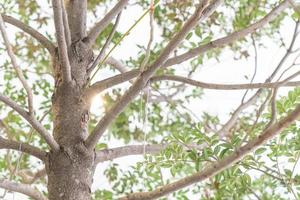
column 61, row 40
column 23, row 147
column 228, row 39
column 129, row 75
column 29, row 177
column 31, row 120
column 66, row 25
column 32, row 32
column 151, row 36
column 116, row 64
column 110, row 82
column 77, row 18
column 230, row 123
column 110, row 154
column 16, row 67
column 130, row 150
column 106, row 44
column 214, row 86
column 202, row 11
column 102, row 24
column 221, row 165
column 38, row 174
column 22, row 188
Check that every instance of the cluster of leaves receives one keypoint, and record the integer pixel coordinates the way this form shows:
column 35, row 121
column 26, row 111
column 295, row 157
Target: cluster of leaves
column 260, row 173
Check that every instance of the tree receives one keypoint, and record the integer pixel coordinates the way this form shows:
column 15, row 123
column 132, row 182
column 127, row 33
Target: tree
column 59, row 81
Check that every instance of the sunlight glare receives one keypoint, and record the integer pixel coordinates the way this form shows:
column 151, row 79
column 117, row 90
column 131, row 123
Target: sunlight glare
column 97, row 104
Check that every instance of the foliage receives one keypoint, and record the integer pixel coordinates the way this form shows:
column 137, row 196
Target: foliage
column 261, row 173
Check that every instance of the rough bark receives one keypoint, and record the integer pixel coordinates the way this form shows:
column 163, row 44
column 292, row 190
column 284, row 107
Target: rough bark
column 70, row 170
column 70, row 173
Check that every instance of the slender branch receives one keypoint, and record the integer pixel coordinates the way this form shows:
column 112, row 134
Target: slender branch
column 130, row 150
column 122, row 38
column 255, row 66
column 102, row 24
column 66, row 25
column 146, row 75
column 39, row 174
column 215, row 86
column 265, row 172
column 32, row 32
column 228, row 39
column 110, row 82
column 148, row 49
column 22, row 188
column 220, row 165
column 31, row 120
column 61, row 40
column 116, row 64
column 110, row 154
column 253, row 192
column 129, row 75
column 106, row 44
column 29, row 177
column 23, row 147
column 16, row 67
column 273, row 108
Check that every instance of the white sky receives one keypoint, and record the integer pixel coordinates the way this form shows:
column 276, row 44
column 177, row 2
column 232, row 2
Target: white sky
column 215, row 102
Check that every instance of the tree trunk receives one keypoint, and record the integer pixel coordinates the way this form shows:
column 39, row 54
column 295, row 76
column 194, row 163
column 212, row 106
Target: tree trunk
column 70, row 170
column 70, row 174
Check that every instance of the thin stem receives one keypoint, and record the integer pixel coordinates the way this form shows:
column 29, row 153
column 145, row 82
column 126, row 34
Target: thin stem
column 61, row 40
column 123, row 36
column 106, row 44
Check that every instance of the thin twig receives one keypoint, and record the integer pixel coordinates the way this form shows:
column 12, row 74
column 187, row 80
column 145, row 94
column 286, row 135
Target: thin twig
column 148, row 49
column 61, row 40
column 121, row 39
column 102, row 24
column 106, row 45
column 255, row 66
column 66, row 25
